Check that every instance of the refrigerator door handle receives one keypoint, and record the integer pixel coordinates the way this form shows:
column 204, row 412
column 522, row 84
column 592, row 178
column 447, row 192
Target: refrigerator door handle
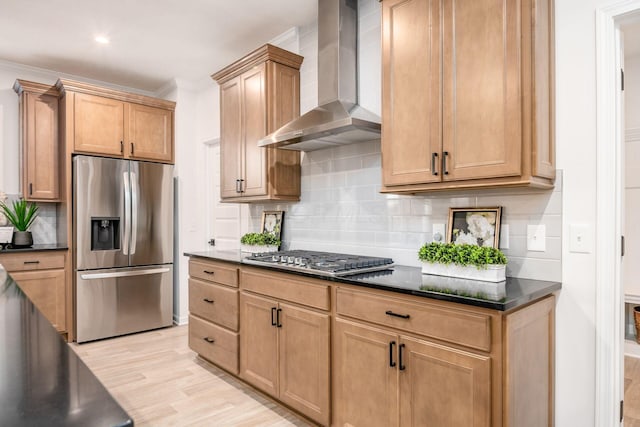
column 135, row 190
column 127, row 210
column 145, row 272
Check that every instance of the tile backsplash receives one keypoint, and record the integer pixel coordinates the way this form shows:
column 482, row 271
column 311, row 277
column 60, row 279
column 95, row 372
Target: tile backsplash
column 341, row 210
column 43, row 228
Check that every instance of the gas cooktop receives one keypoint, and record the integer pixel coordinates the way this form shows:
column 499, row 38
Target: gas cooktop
column 320, row 263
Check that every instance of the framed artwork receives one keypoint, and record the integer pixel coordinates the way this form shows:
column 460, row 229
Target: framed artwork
column 272, row 223
column 474, row 226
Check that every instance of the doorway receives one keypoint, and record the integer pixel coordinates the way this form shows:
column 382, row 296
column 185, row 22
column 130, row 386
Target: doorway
column 610, row 189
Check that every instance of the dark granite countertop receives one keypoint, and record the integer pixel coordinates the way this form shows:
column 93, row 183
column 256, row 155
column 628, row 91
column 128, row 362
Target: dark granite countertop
column 503, row 296
column 34, row 248
column 42, row 381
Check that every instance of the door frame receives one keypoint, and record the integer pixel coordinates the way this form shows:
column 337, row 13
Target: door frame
column 609, row 291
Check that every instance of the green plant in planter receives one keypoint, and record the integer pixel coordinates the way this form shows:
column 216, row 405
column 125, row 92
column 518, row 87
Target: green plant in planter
column 21, row 214
column 447, row 253
column 259, row 239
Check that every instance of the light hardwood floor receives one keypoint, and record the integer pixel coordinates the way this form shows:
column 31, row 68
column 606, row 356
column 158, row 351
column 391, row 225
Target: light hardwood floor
column 159, row 381
column 631, row 392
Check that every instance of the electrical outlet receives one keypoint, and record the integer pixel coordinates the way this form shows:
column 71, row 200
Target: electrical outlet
column 536, row 238
column 504, row 237
column 438, row 233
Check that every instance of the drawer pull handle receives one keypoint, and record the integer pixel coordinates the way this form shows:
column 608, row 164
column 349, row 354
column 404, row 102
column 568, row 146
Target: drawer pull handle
column 392, row 364
column 434, row 158
column 210, row 272
column 273, row 317
column 278, row 324
column 209, row 340
column 400, row 353
column 444, row 163
column 391, row 313
column 209, row 301
column 32, row 262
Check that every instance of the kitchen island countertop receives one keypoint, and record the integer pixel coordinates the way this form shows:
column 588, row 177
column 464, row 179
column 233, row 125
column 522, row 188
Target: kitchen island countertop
column 508, row 295
column 44, row 383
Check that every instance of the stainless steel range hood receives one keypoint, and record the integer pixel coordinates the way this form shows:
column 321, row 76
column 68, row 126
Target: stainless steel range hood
column 339, row 120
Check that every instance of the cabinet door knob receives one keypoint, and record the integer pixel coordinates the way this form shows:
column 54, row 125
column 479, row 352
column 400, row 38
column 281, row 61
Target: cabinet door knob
column 392, row 364
column 434, row 159
column 400, row 354
column 444, row 163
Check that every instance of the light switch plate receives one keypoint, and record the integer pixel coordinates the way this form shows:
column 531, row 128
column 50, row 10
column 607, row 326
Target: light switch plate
column 504, row 237
column 580, row 238
column 438, row 229
column 536, row 238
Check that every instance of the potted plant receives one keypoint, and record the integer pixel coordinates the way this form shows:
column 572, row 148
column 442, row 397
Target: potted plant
column 465, row 261
column 21, row 215
column 259, row 242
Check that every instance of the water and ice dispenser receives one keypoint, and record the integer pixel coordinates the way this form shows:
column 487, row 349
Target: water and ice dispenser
column 105, row 234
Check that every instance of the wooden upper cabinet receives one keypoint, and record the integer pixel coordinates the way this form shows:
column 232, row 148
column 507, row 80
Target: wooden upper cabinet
column 258, row 94
column 467, row 94
column 112, row 123
column 150, row 133
column 39, row 141
column 99, row 125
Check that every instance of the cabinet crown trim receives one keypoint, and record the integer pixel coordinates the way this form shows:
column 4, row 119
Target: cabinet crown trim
column 64, row 85
column 268, row 52
column 43, row 89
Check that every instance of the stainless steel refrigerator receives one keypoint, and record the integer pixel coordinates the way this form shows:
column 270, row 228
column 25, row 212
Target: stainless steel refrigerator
column 123, row 232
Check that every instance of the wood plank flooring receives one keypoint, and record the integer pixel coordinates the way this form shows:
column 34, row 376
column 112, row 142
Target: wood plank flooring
column 159, row 381
column 631, row 392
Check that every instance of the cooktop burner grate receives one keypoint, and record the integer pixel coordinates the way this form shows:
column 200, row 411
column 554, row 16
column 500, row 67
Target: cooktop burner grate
column 321, row 263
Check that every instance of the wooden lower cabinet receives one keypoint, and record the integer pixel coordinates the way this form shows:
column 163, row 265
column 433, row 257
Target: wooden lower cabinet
column 285, row 352
column 46, row 289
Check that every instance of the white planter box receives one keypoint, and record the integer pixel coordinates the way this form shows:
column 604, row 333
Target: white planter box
column 256, row 249
column 493, row 273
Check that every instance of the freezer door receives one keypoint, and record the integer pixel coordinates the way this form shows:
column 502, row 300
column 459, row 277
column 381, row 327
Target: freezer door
column 100, row 212
column 151, row 213
column 121, row 301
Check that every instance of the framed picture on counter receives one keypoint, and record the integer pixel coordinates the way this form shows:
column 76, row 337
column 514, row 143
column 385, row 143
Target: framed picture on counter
column 474, row 226
column 272, row 223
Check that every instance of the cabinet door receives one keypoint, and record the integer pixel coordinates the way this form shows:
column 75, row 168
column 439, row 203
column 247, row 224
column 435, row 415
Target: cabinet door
column 304, row 361
column 442, row 386
column 259, row 343
column 365, row 384
column 230, row 138
column 46, row 289
column 411, row 135
column 150, row 133
column 98, row 125
column 40, row 127
column 254, row 123
column 481, row 89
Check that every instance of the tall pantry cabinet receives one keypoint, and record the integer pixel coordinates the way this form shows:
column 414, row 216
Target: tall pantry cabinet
column 258, row 94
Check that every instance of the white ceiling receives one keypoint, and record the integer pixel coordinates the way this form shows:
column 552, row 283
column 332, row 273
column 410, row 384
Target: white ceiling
column 152, row 41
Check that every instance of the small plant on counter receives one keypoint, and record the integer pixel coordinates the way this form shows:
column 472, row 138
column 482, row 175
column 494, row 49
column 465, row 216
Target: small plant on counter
column 463, row 255
column 21, row 215
column 259, row 239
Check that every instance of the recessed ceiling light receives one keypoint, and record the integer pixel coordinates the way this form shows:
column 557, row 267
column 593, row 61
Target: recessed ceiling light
column 102, row 39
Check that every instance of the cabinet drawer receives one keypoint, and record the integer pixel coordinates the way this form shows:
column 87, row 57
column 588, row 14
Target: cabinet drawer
column 213, row 272
column 26, row 261
column 214, row 343
column 456, row 326
column 218, row 304
column 286, row 287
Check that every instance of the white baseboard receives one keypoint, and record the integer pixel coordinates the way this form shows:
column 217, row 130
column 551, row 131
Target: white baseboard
column 180, row 320
column 631, row 349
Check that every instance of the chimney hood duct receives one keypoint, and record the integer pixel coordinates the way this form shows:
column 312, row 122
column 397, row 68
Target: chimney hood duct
column 339, row 120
